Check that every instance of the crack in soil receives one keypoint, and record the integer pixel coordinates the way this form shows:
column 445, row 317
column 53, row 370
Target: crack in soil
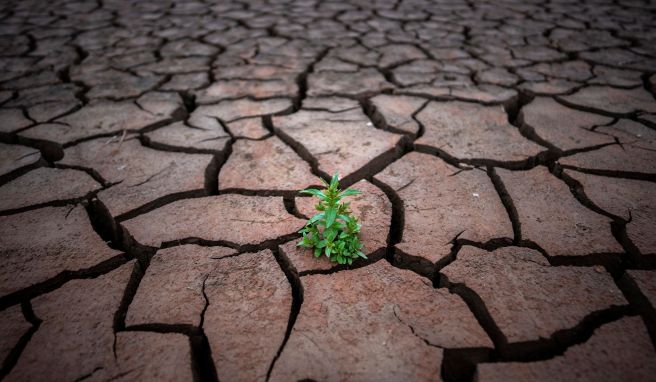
column 291, row 54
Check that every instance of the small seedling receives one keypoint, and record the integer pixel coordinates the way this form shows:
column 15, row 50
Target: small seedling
column 334, row 230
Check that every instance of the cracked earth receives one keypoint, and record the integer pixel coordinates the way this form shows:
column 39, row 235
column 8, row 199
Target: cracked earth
column 151, row 155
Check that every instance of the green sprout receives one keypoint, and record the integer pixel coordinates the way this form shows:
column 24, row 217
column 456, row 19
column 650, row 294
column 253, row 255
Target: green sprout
column 334, row 230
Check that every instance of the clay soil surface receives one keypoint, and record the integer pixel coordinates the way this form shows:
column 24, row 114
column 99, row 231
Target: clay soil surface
column 151, row 154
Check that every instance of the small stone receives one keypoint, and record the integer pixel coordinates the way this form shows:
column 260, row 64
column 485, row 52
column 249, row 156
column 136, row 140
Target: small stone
column 140, row 175
column 612, row 101
column 233, row 218
column 525, row 295
column 397, row 112
column 171, row 291
column 552, row 218
column 401, row 314
column 565, row 128
column 250, row 302
column 432, row 191
column 15, row 157
column 471, row 131
column 632, row 359
column 37, row 245
column 45, row 185
column 265, row 165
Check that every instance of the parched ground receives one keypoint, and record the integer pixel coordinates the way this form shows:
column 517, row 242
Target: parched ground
column 151, row 153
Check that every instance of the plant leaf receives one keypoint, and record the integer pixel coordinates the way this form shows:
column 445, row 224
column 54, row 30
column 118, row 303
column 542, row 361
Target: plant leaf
column 331, row 214
column 335, row 180
column 330, row 233
column 333, row 231
column 315, row 218
column 345, row 218
column 349, row 192
column 313, row 192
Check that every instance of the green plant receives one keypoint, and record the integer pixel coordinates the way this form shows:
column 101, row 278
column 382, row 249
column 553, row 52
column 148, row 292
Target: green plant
column 334, row 230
